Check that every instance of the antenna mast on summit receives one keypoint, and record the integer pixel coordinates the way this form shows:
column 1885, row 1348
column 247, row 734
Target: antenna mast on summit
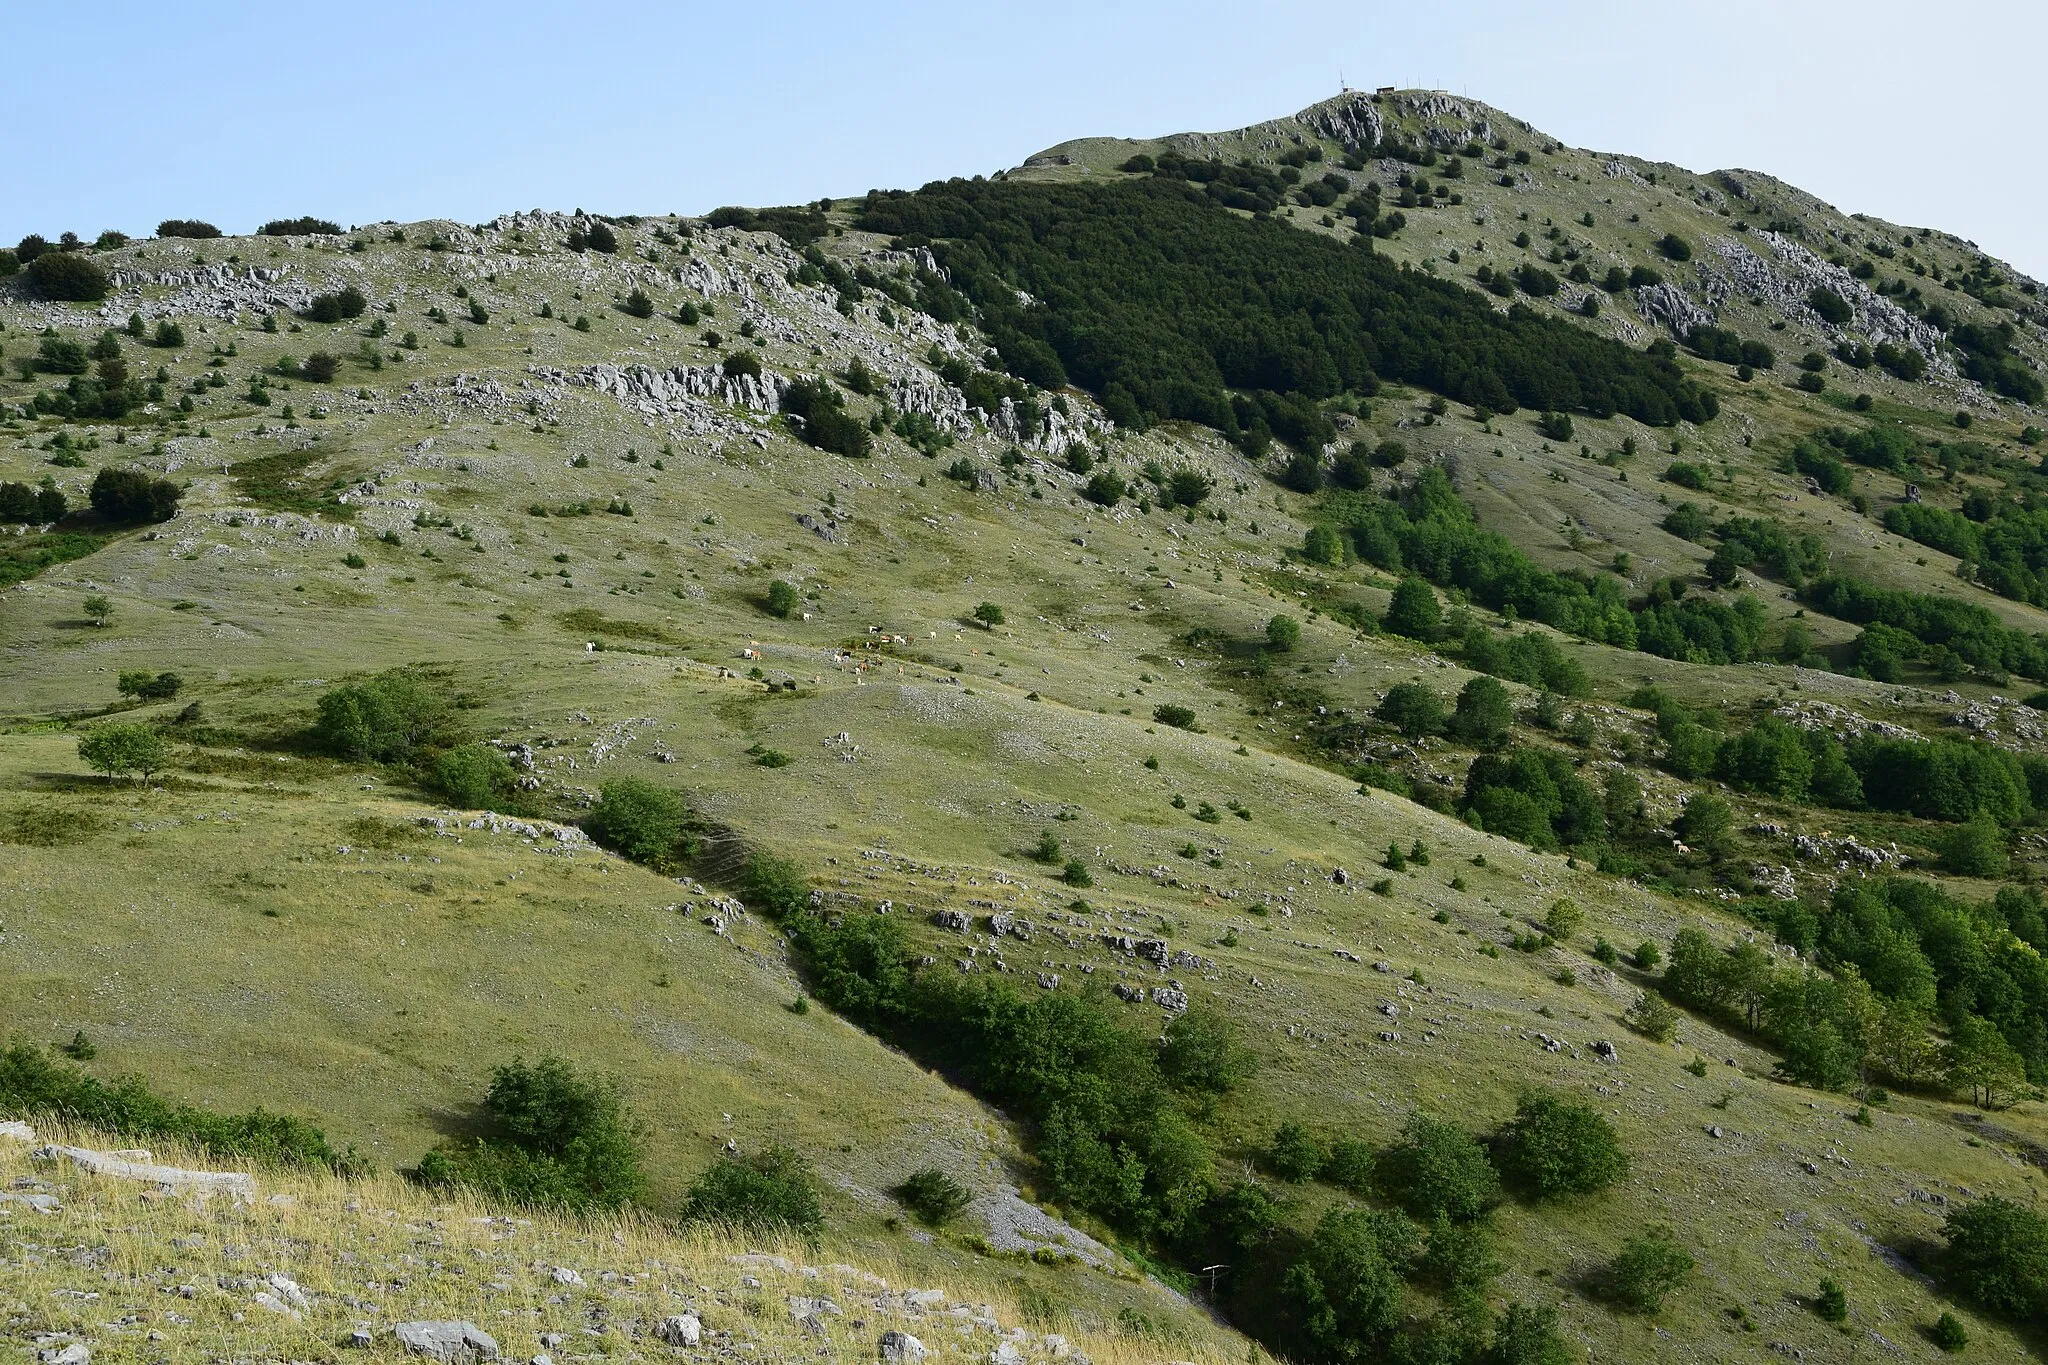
column 1343, row 85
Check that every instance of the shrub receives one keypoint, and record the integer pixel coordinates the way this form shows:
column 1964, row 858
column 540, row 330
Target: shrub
column 782, row 598
column 168, row 336
column 1106, row 488
column 1651, row 1015
column 131, row 495
column 1833, row 309
column 1524, row 1335
column 32, row 1084
column 300, row 227
column 1412, row 709
column 989, row 614
column 1975, row 849
column 1674, row 247
column 389, row 718
column 1565, row 919
column 187, row 227
column 932, row 1195
column 554, row 1139
column 473, row 776
column 1200, row 1053
column 824, row 420
column 741, row 364
column 640, row 820
column 771, row 1191
column 1831, row 1302
column 1706, row 823
column 602, row 238
column 1296, row 1155
column 320, row 368
column 1554, row 1146
column 1998, row 1256
column 122, row 747
column 639, row 305
column 1650, row 1265
column 1948, row 1333
column 1438, row 1170
column 69, row 276
column 336, row 307
column 1350, row 1165
column 1172, row 713
column 1485, row 714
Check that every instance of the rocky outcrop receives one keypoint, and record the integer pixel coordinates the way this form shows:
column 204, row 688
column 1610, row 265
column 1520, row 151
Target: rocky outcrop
column 656, row 392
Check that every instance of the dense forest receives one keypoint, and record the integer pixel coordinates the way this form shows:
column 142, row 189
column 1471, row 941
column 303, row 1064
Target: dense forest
column 1168, row 305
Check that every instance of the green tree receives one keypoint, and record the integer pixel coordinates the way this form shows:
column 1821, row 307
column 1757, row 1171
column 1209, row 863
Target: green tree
column 388, row 718
column 1650, row 1266
column 1412, row 709
column 99, row 609
column 1707, row 823
column 1555, row 1146
column 1438, row 1170
column 1831, row 1302
column 1414, row 611
column 1346, row 1290
column 639, row 305
column 1977, row 1058
column 989, row 614
column 1200, row 1053
column 1283, row 633
column 130, row 495
column 782, row 598
column 122, row 747
column 1976, row 848
column 1653, row 1017
column 1485, row 714
column 639, row 820
column 70, row 276
column 1998, row 1256
column 1526, row 1335
column 932, row 1195
column 1321, row 544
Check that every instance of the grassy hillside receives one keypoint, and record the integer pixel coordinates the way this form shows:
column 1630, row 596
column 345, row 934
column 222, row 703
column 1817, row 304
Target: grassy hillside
column 572, row 523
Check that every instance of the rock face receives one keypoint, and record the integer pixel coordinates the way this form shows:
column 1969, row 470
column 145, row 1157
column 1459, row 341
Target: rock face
column 458, row 1343
column 1352, row 119
column 656, row 392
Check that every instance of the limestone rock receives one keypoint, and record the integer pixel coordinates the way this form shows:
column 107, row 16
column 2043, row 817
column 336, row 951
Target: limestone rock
column 457, row 1343
column 681, row 1329
column 901, row 1348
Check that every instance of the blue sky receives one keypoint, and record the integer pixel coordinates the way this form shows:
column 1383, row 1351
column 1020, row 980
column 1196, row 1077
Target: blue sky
column 368, row 110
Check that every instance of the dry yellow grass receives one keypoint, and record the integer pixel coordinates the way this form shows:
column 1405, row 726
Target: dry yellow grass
column 142, row 1275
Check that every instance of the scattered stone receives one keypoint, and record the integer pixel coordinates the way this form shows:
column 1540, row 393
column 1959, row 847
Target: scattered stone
column 681, row 1329
column 76, row 1353
column 1713, row 1130
column 1606, row 1052
column 901, row 1348
column 457, row 1343
column 360, row 1339
column 561, row 1274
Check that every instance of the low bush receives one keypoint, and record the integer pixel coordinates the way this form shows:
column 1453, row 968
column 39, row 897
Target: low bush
column 1650, row 1266
column 1172, row 713
column 187, row 227
column 1296, row 1155
column 1997, row 1256
column 771, row 1191
column 1554, row 1146
column 143, row 685
column 1438, row 1170
column 392, row 717
column 932, row 1195
column 32, row 1084
column 642, row 821
column 473, row 776
column 300, row 227
column 337, row 307
column 554, row 1139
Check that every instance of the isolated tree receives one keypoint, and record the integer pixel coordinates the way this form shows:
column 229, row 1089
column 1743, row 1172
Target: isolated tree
column 782, row 598
column 1412, row 709
column 1283, row 633
column 1485, row 714
column 99, row 609
column 120, row 747
column 1414, row 611
column 68, row 276
column 1555, row 1146
column 1649, row 1267
column 989, row 614
column 639, row 305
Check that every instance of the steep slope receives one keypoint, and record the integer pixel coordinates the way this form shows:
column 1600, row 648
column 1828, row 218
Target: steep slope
column 572, row 510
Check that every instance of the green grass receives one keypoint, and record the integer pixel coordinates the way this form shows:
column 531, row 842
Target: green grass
column 391, row 977
column 22, row 558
